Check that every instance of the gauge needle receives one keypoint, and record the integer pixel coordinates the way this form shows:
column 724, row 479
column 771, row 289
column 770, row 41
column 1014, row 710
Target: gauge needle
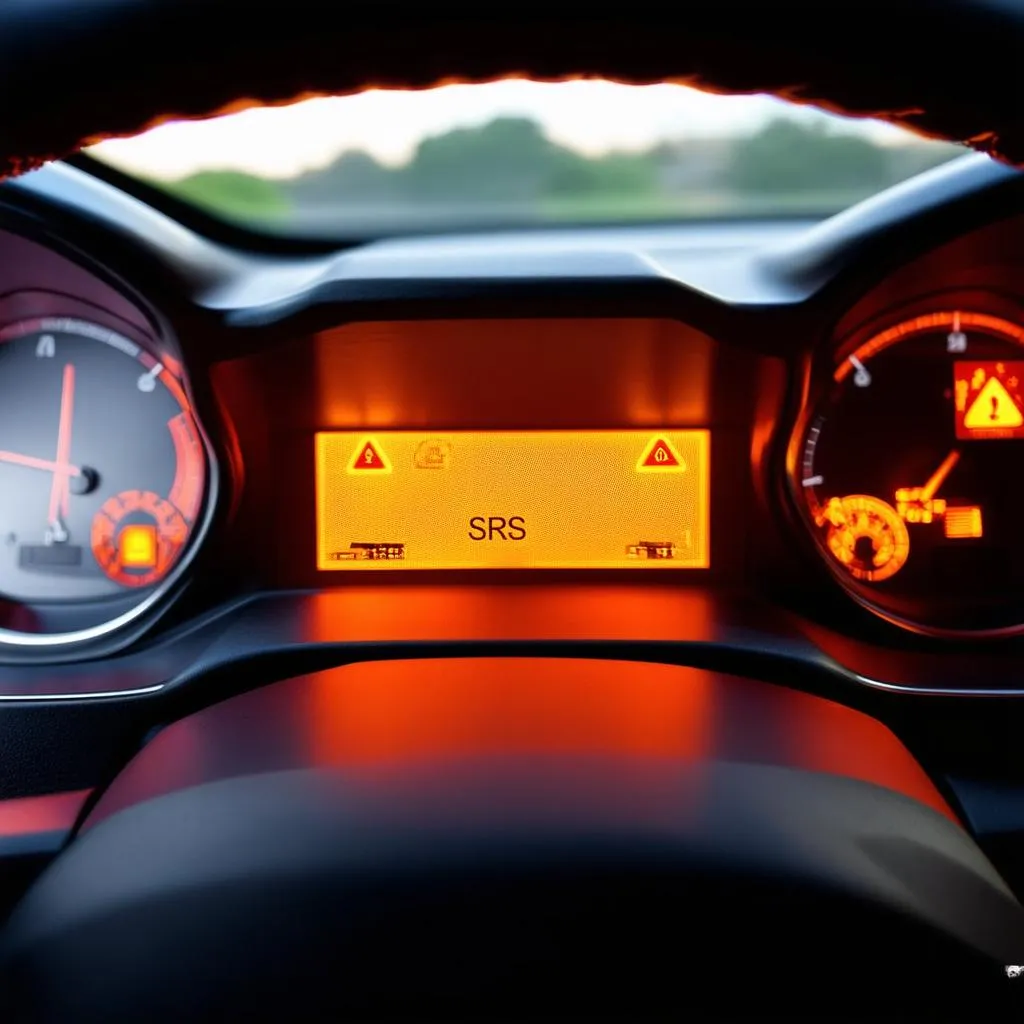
column 59, row 490
column 938, row 478
column 15, row 458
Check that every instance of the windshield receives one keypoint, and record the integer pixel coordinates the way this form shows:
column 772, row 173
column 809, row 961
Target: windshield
column 518, row 153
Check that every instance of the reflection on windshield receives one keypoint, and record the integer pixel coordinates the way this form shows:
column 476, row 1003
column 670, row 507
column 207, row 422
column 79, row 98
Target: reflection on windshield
column 517, row 153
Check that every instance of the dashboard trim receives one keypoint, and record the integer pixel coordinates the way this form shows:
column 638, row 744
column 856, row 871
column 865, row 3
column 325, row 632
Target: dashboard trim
column 144, row 691
column 781, row 273
column 57, row 698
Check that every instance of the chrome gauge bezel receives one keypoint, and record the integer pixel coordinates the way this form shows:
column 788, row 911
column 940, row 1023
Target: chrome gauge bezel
column 160, row 595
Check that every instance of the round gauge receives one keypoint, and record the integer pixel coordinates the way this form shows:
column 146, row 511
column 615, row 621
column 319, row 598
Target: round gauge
column 909, row 468
column 103, row 476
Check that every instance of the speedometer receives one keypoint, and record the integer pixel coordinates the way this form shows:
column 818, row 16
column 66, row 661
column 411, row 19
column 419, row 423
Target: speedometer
column 908, row 466
column 103, row 476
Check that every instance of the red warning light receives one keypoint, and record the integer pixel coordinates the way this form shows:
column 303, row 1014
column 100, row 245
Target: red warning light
column 369, row 456
column 660, row 455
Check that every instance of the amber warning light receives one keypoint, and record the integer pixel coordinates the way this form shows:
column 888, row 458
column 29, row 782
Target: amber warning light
column 513, row 500
column 989, row 400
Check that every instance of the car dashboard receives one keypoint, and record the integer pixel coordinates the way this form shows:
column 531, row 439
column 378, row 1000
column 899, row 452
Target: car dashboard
column 789, row 451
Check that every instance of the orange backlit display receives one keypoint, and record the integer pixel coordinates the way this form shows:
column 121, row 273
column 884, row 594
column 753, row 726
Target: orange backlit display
column 989, row 400
column 620, row 499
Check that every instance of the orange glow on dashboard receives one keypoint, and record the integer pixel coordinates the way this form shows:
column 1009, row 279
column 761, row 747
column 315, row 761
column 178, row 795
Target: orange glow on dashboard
column 564, row 373
column 513, row 500
column 388, row 712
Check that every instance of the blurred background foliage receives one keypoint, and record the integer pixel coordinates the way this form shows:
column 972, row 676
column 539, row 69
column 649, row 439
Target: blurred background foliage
column 509, row 171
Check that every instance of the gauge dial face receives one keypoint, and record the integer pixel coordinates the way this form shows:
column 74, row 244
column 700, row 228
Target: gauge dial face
column 910, row 471
column 102, row 467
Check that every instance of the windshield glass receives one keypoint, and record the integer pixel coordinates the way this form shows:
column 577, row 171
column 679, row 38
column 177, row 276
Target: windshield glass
column 516, row 153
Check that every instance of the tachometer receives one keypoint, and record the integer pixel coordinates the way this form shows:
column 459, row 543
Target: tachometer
column 103, row 476
column 909, row 467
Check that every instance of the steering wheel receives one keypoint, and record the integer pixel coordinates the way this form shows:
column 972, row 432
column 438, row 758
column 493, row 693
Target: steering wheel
column 524, row 888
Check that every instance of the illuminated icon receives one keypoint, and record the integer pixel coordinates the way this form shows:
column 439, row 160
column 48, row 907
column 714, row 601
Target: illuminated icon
column 978, row 379
column 660, row 457
column 136, row 537
column 912, row 507
column 919, row 504
column 964, row 522
column 369, row 456
column 652, row 549
column 993, row 409
column 137, row 546
column 434, row 454
column 865, row 536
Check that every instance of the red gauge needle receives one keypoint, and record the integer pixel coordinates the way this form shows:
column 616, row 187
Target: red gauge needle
column 59, row 491
column 33, row 463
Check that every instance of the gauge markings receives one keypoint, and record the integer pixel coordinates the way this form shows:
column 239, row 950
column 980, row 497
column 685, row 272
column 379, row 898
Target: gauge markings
column 861, row 378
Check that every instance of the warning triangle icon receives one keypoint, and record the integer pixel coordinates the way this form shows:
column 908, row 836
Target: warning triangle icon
column 993, row 409
column 660, row 457
column 369, row 456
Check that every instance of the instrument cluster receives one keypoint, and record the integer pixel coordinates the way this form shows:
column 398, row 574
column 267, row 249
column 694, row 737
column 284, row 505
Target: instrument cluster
column 314, row 453
column 907, row 466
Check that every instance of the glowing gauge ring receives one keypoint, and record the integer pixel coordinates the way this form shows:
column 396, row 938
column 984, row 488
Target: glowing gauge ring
column 860, row 516
column 167, row 527
column 929, row 321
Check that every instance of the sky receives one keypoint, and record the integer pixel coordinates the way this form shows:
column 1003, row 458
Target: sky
column 593, row 117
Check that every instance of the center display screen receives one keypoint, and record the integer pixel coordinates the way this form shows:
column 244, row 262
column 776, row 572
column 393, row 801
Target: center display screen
column 602, row 499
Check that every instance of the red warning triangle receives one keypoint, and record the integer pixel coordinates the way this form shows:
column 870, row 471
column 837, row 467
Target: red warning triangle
column 660, row 455
column 369, row 456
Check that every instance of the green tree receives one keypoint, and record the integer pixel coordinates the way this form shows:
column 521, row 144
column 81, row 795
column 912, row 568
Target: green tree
column 233, row 194
column 787, row 156
column 354, row 175
column 507, row 159
column 616, row 174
